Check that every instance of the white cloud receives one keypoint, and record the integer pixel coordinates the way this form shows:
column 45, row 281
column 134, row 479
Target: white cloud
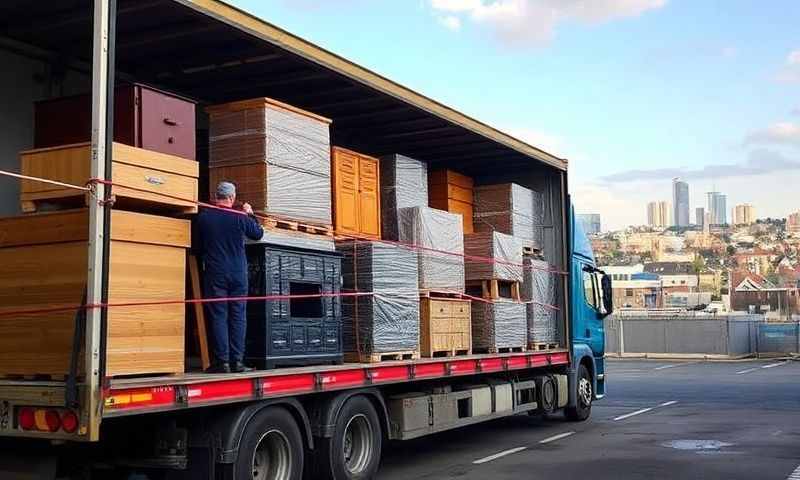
column 526, row 22
column 790, row 73
column 450, row 22
column 782, row 133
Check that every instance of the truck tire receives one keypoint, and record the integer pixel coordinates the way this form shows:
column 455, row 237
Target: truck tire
column 583, row 397
column 271, row 447
column 354, row 450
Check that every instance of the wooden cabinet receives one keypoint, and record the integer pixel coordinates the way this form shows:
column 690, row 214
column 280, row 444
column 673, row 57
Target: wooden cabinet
column 452, row 192
column 445, row 327
column 44, row 258
column 143, row 117
column 152, row 179
column 356, row 193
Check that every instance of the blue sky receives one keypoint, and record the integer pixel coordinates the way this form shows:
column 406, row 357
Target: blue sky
column 633, row 92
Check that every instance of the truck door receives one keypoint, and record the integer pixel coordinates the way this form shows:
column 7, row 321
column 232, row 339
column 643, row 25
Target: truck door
column 588, row 308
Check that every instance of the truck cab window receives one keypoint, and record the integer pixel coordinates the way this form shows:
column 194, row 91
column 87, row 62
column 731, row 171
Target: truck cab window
column 591, row 291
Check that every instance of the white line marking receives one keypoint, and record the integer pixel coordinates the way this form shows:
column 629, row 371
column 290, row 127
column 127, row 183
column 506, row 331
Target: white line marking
column 775, row 364
column 662, row 367
column 556, row 437
column 673, row 365
column 742, row 372
column 629, row 415
column 667, row 404
column 498, row 455
column 794, row 475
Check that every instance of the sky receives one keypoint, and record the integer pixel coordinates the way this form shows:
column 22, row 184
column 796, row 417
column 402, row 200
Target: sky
column 631, row 92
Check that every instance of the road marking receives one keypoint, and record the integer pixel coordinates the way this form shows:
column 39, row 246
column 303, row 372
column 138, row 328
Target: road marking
column 775, row 364
column 742, row 372
column 673, row 365
column 498, row 455
column 794, row 475
column 556, row 437
column 644, row 410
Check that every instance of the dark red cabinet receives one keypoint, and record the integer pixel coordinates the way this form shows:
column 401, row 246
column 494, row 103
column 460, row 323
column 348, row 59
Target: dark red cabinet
column 143, row 117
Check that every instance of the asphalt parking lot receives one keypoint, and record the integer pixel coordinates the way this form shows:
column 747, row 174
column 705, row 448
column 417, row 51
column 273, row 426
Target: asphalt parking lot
column 660, row 420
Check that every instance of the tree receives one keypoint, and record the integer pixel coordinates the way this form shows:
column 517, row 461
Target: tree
column 730, row 250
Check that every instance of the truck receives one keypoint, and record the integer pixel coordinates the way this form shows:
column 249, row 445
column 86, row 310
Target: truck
column 319, row 421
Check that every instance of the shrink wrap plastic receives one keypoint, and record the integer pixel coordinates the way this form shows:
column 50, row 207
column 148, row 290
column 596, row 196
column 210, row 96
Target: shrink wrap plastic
column 437, row 232
column 296, row 149
column 509, row 208
column 389, row 320
column 506, row 250
column 498, row 324
column 539, row 286
column 404, row 184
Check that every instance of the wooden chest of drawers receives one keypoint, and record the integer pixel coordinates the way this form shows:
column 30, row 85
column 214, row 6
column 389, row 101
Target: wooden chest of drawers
column 154, row 179
column 147, row 264
column 452, row 192
column 445, row 327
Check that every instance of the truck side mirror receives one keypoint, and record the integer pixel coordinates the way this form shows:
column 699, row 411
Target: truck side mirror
column 608, row 295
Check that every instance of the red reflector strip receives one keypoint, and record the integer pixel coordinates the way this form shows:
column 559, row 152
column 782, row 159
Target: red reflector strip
column 517, row 362
column 288, row 384
column 127, row 399
column 559, row 358
column 462, row 367
column 225, row 390
column 345, row 378
column 389, row 374
column 428, row 370
column 491, row 365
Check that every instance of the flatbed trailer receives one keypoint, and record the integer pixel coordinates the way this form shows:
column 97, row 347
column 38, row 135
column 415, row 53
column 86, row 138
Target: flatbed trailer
column 321, row 421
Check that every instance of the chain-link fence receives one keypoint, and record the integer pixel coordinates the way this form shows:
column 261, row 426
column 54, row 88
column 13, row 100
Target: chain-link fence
column 687, row 333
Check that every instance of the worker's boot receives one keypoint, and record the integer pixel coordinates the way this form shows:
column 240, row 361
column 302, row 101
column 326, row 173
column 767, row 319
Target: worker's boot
column 219, row 368
column 240, row 367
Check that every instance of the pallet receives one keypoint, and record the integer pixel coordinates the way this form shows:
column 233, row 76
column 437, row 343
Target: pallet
column 282, row 224
column 495, row 289
column 450, row 353
column 531, row 251
column 499, row 350
column 540, row 346
column 355, row 357
column 440, row 294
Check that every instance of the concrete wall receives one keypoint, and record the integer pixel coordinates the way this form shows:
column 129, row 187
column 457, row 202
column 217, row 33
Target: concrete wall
column 721, row 335
column 22, row 81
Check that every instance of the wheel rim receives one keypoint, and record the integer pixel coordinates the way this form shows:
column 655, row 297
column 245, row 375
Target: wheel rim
column 272, row 458
column 585, row 391
column 357, row 444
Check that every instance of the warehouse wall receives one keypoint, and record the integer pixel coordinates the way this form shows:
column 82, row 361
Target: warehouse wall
column 23, row 80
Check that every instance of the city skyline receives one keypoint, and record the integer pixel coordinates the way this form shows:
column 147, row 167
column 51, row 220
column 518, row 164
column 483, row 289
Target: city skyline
column 680, row 203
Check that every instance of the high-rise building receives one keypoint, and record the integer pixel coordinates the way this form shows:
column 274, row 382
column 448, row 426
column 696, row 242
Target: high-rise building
column 716, row 207
column 699, row 216
column 590, row 222
column 680, row 202
column 793, row 223
column 744, row 214
column 658, row 214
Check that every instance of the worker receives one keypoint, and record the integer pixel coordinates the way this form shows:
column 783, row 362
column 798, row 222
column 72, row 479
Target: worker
column 222, row 233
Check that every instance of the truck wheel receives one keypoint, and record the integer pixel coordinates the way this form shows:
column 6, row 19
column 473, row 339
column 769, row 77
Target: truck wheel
column 354, row 450
column 583, row 397
column 271, row 447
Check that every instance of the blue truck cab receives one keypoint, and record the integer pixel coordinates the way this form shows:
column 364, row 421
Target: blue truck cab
column 590, row 302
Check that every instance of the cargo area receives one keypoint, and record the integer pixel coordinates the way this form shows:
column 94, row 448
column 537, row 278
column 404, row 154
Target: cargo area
column 397, row 230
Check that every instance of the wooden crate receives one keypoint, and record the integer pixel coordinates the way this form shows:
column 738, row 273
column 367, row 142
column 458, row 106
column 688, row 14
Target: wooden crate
column 44, row 258
column 356, row 193
column 157, row 181
column 452, row 192
column 445, row 327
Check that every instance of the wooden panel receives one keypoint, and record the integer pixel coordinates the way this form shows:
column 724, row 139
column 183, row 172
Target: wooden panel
column 157, row 182
column 454, row 206
column 445, row 177
column 345, row 191
column 369, row 213
column 450, row 191
column 44, row 228
column 152, row 229
column 262, row 102
column 445, row 326
column 68, row 164
column 250, row 181
column 155, row 160
column 146, row 339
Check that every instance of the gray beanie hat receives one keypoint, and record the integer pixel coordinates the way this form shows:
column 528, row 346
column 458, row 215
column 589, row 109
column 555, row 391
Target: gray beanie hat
column 226, row 190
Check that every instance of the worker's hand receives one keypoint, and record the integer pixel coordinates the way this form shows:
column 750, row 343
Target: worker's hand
column 246, row 208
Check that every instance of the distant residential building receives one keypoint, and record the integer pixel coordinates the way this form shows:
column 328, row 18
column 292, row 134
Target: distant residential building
column 751, row 292
column 680, row 202
column 658, row 214
column 793, row 223
column 757, row 261
column 631, row 287
column 675, row 276
column 717, row 208
column 686, row 300
column 699, row 216
column 744, row 214
column 590, row 222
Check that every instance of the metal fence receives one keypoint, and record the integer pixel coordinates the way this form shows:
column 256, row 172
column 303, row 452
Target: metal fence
column 676, row 333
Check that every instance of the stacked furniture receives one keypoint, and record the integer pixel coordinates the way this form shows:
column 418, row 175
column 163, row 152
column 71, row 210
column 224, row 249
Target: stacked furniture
column 539, row 294
column 498, row 326
column 404, row 184
column 445, row 327
column 493, row 264
column 356, row 195
column 277, row 155
column 506, row 208
column 299, row 330
column 452, row 192
column 384, row 324
column 439, row 243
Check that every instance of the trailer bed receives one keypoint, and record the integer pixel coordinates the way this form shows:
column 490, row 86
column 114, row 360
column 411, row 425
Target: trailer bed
column 126, row 396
